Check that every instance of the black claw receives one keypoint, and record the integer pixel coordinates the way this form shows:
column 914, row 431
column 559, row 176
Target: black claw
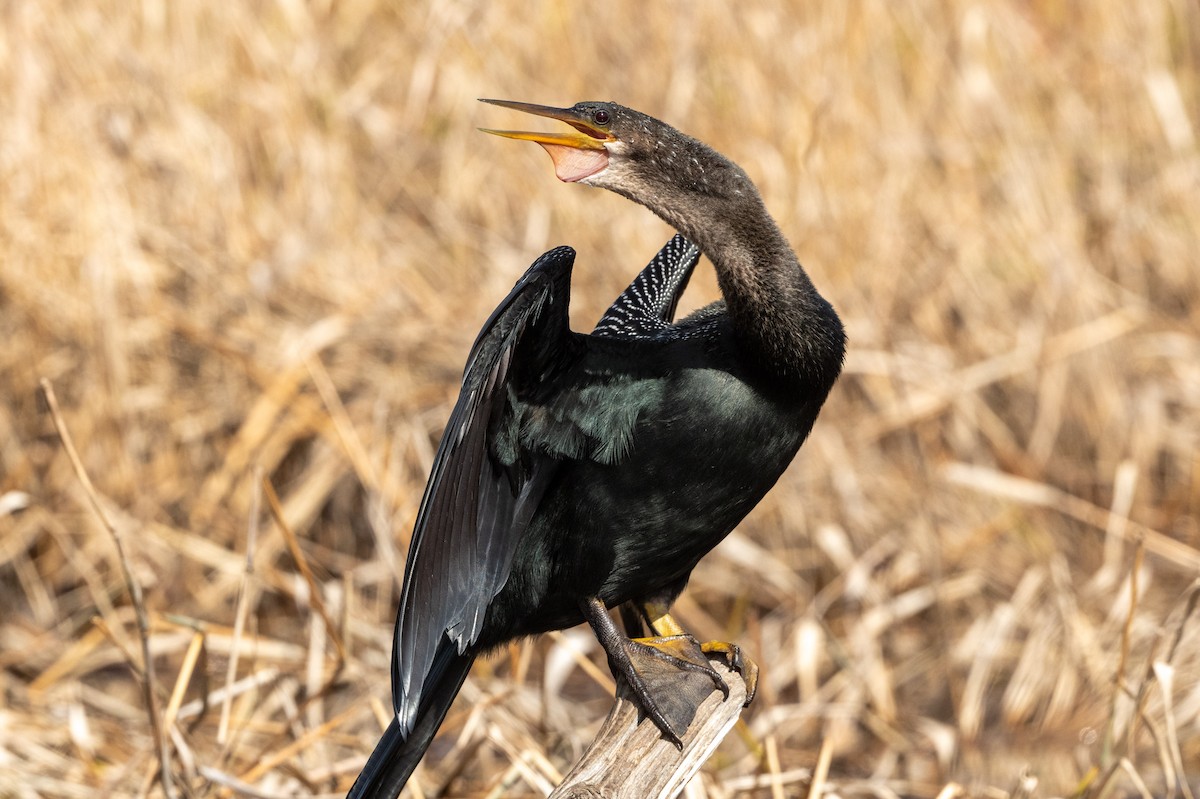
column 736, row 661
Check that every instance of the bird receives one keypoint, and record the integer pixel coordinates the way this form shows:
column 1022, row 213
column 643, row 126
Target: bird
column 646, row 306
column 579, row 473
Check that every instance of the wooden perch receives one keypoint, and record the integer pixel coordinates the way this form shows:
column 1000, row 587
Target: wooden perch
column 629, row 759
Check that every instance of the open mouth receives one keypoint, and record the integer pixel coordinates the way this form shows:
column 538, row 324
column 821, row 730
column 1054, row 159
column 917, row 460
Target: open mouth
column 578, row 154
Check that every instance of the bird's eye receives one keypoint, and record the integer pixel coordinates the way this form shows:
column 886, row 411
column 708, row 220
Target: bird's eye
column 600, row 117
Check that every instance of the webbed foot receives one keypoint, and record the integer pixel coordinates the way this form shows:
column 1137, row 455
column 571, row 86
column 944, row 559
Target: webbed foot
column 668, row 675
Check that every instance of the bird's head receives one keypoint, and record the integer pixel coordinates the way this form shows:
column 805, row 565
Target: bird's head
column 603, row 132
column 617, row 148
column 625, row 151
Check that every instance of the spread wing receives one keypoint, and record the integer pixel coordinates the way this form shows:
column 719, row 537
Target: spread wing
column 648, row 304
column 480, row 496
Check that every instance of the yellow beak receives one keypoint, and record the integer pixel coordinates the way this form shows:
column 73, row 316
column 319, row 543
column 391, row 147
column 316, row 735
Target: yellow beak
column 588, row 136
column 578, row 155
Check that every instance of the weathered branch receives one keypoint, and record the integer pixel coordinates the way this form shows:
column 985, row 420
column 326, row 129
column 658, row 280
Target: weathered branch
column 629, row 758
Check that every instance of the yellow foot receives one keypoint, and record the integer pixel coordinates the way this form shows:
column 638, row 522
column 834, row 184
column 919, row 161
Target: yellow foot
column 664, row 624
column 737, row 660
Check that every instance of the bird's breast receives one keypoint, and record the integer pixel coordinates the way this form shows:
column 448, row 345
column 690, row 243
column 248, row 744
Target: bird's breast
column 698, row 462
column 651, row 472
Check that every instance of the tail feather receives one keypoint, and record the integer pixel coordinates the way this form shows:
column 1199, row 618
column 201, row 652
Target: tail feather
column 395, row 756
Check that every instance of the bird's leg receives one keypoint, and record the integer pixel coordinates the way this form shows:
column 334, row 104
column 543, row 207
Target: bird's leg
column 669, row 676
column 631, row 619
column 664, row 624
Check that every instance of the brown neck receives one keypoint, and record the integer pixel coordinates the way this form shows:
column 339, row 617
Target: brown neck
column 776, row 311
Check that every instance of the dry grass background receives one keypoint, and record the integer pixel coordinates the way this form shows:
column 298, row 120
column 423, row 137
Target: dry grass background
column 257, row 239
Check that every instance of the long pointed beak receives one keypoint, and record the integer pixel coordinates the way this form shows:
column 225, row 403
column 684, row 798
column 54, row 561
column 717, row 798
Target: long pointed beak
column 587, row 137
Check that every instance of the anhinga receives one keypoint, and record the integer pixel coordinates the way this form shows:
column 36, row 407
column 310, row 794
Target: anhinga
column 578, row 472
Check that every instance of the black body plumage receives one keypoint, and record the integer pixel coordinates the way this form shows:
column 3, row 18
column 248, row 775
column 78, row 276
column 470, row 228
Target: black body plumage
column 577, row 467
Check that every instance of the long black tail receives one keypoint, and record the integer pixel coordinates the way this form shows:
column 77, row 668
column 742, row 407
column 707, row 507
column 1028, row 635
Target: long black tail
column 395, row 757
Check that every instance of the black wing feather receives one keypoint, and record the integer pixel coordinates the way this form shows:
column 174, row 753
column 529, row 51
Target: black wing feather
column 648, row 305
column 475, row 508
